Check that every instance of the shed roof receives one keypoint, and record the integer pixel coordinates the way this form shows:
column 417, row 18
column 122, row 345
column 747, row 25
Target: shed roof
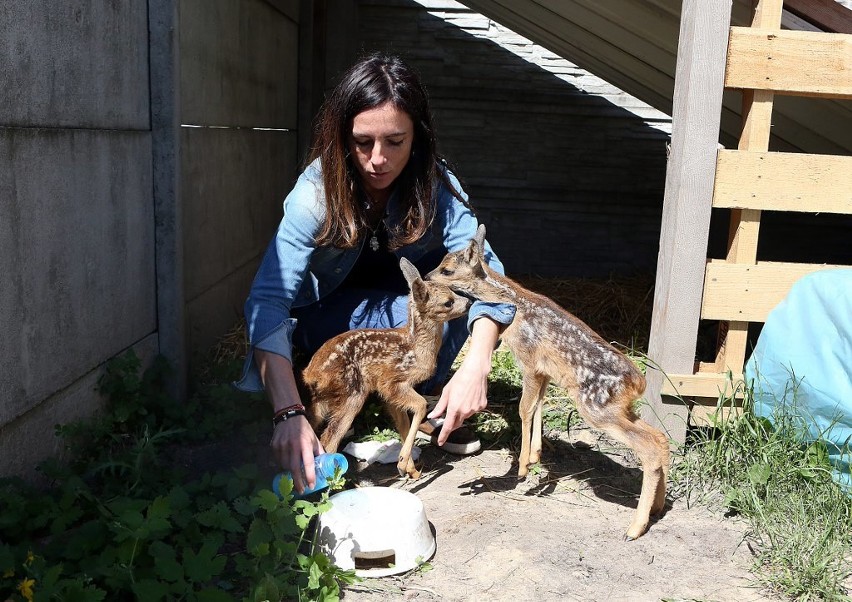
column 633, row 44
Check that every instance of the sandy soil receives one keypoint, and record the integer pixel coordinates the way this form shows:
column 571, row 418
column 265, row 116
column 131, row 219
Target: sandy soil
column 559, row 534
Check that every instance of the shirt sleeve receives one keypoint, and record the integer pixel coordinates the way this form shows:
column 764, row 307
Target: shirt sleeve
column 278, row 280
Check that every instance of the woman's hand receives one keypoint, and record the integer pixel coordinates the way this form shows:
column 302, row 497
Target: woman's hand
column 466, row 392
column 294, row 445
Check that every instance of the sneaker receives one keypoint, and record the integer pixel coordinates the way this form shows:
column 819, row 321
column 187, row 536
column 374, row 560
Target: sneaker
column 461, row 442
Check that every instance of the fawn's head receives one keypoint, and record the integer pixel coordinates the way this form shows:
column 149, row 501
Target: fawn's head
column 432, row 299
column 463, row 270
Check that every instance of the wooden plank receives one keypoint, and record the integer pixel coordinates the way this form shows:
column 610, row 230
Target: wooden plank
column 687, row 202
column 783, row 182
column 828, row 15
column 801, row 63
column 745, row 223
column 702, row 385
column 591, row 50
column 748, row 293
column 706, row 412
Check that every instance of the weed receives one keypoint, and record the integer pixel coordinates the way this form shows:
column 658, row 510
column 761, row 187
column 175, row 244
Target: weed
column 800, row 519
column 124, row 520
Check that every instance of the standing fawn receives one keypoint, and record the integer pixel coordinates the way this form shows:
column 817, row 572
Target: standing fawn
column 388, row 361
column 551, row 344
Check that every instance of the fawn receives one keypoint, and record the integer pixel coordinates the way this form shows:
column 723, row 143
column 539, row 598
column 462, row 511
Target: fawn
column 388, row 361
column 551, row 344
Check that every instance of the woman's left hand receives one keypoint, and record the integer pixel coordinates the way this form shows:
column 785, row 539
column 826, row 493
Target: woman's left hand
column 466, row 392
column 463, row 396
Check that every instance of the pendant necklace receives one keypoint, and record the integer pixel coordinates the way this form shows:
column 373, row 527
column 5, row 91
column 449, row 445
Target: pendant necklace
column 374, row 239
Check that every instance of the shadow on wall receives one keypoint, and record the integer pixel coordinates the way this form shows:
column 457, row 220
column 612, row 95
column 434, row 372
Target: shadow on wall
column 569, row 182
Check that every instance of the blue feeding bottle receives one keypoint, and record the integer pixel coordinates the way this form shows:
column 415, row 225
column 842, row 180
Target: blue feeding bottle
column 324, row 467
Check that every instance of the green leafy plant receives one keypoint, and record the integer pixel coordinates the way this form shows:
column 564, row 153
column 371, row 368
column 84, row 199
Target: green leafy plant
column 124, row 520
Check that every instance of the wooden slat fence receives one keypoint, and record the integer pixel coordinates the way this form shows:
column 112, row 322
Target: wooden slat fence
column 762, row 61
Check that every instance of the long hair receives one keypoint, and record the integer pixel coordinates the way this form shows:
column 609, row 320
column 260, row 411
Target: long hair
column 368, row 84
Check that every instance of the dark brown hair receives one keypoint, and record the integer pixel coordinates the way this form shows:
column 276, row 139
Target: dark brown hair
column 368, row 84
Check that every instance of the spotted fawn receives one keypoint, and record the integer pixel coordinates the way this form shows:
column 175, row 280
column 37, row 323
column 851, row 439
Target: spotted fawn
column 550, row 344
column 388, row 361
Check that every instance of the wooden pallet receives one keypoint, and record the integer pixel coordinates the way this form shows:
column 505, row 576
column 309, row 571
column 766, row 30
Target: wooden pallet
column 761, row 61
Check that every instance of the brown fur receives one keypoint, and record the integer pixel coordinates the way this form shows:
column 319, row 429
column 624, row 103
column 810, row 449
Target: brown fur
column 549, row 343
column 389, row 361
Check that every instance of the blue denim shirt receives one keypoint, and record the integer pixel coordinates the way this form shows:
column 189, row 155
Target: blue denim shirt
column 295, row 272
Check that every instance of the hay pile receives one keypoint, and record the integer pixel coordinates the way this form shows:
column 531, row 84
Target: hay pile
column 618, row 308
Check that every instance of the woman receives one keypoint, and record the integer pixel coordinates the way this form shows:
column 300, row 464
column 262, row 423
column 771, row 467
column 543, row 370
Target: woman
column 374, row 190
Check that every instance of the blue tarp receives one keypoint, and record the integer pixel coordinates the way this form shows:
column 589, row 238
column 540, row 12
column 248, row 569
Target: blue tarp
column 802, row 362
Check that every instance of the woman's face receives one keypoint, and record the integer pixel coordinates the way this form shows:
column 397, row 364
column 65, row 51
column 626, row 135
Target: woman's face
column 380, row 143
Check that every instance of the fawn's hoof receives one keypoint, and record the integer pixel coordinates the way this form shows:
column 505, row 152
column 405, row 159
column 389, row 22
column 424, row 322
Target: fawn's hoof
column 635, row 532
column 404, row 467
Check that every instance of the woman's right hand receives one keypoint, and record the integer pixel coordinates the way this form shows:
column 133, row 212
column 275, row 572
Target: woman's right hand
column 294, row 445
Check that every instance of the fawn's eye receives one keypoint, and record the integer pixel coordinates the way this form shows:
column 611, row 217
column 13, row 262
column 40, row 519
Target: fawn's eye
column 448, row 303
column 446, row 272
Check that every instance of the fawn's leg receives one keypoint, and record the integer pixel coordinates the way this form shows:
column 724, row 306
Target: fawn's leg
column 342, row 406
column 653, row 450
column 535, row 445
column 406, row 399
column 530, row 398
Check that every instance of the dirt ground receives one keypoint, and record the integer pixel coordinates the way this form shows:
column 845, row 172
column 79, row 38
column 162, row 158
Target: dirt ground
column 559, row 535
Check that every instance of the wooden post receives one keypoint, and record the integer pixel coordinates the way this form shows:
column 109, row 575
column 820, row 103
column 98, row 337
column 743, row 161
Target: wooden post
column 696, row 115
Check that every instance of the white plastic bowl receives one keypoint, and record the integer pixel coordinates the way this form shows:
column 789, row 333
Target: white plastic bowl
column 377, row 531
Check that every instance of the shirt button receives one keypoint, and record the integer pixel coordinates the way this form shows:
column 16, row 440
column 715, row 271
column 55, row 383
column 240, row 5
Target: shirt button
column 337, row 270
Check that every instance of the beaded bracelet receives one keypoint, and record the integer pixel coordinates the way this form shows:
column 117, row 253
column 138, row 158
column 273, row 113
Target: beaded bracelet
column 295, row 406
column 286, row 414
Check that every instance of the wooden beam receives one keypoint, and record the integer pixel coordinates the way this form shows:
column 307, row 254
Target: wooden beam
column 828, row 15
column 747, row 293
column 707, row 386
column 783, row 182
column 687, row 203
column 802, row 63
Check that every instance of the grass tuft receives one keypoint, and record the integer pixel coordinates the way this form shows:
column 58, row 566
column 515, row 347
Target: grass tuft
column 800, row 519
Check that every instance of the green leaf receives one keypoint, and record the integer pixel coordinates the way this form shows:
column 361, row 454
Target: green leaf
column 219, row 517
column 88, row 538
column 758, row 474
column 267, row 589
column 268, row 500
column 244, row 506
column 202, row 566
column 259, row 534
column 165, row 561
column 314, row 575
column 157, row 516
column 302, row 521
column 149, row 590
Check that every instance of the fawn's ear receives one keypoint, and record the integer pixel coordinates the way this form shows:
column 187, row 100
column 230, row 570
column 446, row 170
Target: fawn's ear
column 409, row 271
column 476, row 249
column 479, row 238
column 419, row 291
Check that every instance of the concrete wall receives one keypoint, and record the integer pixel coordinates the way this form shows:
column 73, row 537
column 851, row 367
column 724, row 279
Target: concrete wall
column 567, row 171
column 76, row 219
column 239, row 127
column 119, row 228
